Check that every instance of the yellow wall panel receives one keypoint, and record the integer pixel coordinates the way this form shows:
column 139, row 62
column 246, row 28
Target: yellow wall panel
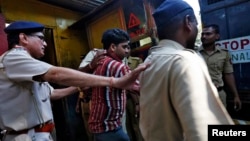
column 97, row 27
column 69, row 44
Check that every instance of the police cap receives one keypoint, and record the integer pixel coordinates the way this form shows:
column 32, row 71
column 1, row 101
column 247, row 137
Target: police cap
column 24, row 26
column 168, row 10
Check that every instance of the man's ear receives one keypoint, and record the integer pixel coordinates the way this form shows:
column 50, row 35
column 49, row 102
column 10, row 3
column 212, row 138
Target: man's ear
column 112, row 47
column 217, row 37
column 23, row 38
column 188, row 22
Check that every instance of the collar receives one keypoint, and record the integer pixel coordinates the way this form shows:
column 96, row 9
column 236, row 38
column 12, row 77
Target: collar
column 217, row 49
column 114, row 56
column 170, row 44
column 20, row 47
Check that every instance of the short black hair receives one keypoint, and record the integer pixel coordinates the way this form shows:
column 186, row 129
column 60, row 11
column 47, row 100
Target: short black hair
column 214, row 26
column 115, row 36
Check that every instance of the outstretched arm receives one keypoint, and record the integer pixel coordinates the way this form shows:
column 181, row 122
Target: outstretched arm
column 70, row 77
column 60, row 93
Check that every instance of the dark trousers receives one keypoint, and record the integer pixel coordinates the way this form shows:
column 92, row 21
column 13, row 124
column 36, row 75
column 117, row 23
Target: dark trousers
column 114, row 135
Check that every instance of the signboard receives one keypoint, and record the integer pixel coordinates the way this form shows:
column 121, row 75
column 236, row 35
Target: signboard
column 239, row 49
column 135, row 18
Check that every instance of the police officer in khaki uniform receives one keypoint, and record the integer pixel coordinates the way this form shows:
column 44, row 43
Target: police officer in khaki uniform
column 177, row 97
column 25, row 108
column 219, row 63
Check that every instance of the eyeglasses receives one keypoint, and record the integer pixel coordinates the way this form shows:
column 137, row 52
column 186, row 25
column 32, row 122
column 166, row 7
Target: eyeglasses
column 39, row 36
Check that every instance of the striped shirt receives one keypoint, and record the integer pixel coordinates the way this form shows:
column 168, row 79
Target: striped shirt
column 108, row 104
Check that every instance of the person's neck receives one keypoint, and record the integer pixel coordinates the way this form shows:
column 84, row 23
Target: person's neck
column 209, row 47
column 114, row 56
column 18, row 46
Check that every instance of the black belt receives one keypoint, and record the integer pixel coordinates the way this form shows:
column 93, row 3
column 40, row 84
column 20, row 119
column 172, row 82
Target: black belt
column 219, row 89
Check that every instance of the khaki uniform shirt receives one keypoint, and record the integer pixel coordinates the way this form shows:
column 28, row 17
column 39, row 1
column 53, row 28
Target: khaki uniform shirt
column 178, row 99
column 218, row 63
column 133, row 62
column 24, row 103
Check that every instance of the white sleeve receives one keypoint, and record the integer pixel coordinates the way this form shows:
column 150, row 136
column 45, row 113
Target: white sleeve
column 20, row 66
column 88, row 58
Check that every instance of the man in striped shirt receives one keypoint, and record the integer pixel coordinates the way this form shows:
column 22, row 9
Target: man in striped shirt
column 108, row 103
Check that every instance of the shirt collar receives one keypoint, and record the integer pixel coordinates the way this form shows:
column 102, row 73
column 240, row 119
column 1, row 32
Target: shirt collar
column 167, row 43
column 114, row 56
column 217, row 49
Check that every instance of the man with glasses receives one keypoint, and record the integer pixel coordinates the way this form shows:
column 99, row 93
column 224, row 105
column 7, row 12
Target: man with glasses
column 25, row 108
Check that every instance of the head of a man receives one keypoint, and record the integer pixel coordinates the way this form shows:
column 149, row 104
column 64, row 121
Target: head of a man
column 175, row 20
column 116, row 42
column 28, row 35
column 210, row 34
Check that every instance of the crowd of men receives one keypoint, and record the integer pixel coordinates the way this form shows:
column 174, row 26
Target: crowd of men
column 172, row 96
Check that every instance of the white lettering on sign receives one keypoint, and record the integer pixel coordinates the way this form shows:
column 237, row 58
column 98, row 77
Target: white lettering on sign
column 239, row 48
